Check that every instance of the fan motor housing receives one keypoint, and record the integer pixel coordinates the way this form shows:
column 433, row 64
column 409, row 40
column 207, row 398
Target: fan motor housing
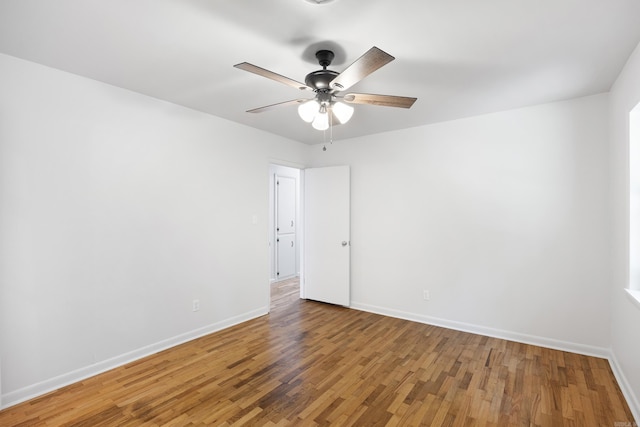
column 320, row 79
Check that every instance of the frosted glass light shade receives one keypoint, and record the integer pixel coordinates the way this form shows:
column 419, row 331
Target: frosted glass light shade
column 321, row 122
column 308, row 110
column 342, row 111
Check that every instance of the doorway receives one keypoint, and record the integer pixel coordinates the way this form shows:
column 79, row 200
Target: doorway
column 319, row 197
column 285, row 230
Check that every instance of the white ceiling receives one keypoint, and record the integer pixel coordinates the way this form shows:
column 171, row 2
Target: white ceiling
column 458, row 57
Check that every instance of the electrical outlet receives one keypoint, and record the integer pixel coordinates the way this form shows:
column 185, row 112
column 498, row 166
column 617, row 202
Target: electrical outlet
column 426, row 295
column 196, row 305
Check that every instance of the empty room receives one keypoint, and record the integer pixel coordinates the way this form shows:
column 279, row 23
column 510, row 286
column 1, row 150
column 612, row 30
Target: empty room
column 319, row 212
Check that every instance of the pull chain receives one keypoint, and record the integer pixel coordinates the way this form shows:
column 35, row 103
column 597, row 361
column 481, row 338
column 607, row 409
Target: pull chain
column 324, row 147
column 324, row 140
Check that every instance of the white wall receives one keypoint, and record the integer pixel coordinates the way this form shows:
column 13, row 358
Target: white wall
column 625, row 331
column 116, row 211
column 502, row 217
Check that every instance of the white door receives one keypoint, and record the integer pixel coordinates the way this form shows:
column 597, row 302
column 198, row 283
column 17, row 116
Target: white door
column 327, row 234
column 285, row 227
column 286, row 204
column 286, row 256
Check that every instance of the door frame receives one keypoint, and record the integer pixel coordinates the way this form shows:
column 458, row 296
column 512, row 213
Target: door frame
column 273, row 166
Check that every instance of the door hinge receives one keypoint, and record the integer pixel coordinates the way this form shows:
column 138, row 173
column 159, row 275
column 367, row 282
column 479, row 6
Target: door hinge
column 278, row 240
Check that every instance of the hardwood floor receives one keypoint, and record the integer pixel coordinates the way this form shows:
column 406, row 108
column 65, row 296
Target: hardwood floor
column 310, row 363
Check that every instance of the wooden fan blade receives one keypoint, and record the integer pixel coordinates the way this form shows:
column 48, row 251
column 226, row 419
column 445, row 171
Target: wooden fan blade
column 279, row 104
column 271, row 75
column 373, row 59
column 383, row 100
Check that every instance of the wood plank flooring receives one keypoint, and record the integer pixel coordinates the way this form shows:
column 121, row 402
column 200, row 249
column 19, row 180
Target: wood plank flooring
column 314, row 364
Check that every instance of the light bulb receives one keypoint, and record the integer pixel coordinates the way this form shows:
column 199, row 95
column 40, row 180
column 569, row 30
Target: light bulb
column 342, row 111
column 321, row 122
column 308, row 110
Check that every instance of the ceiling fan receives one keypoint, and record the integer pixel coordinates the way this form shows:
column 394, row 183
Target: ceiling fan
column 328, row 107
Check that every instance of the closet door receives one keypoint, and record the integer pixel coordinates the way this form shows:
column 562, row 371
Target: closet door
column 286, row 225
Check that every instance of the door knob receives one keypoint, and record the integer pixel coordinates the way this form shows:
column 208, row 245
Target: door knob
column 344, row 243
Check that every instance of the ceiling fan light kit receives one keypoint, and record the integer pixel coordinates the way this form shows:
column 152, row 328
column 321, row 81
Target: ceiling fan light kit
column 323, row 109
column 328, row 104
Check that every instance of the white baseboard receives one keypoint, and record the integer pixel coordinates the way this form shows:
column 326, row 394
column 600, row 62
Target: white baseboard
column 38, row 389
column 627, row 390
column 587, row 350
